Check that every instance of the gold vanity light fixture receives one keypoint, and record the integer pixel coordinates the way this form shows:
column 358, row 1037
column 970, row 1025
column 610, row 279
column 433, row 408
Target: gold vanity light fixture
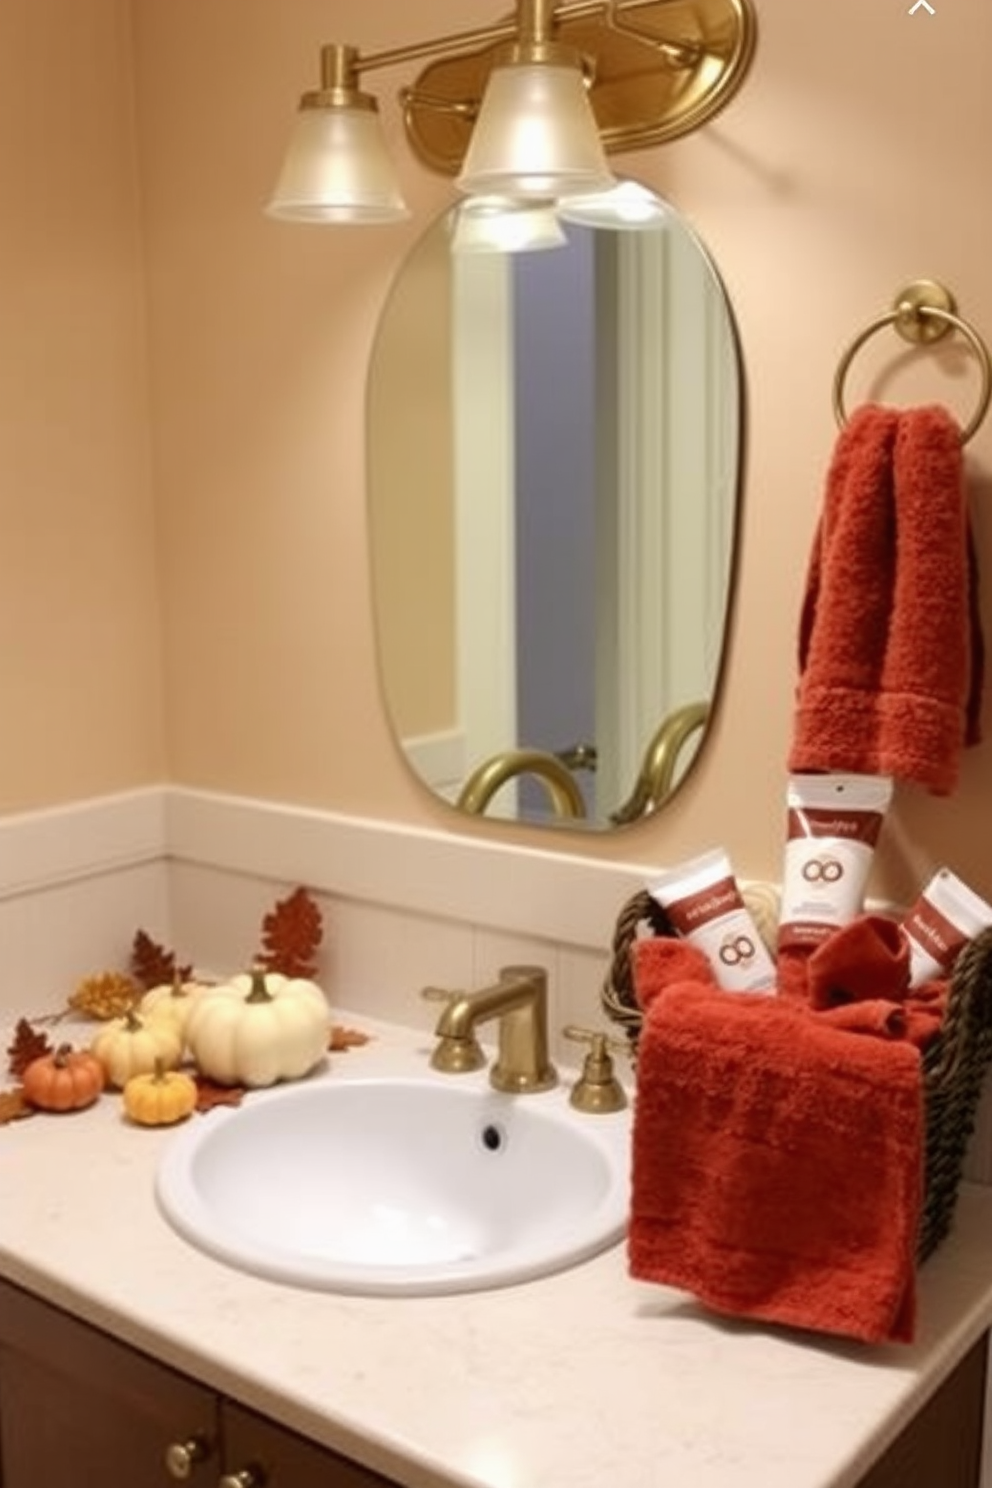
column 527, row 107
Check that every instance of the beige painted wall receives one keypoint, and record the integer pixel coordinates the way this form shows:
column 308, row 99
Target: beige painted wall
column 855, row 158
column 80, row 674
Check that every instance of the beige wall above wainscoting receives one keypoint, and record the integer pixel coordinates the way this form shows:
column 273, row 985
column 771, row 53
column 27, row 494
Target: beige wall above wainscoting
column 80, row 660
column 854, row 159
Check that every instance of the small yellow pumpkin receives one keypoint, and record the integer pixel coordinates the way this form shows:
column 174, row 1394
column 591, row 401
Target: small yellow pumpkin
column 259, row 1028
column 65, row 1080
column 160, row 1098
column 131, row 1045
column 172, row 1000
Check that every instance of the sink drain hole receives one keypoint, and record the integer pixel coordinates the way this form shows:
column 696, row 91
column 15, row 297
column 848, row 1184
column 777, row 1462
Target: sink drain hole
column 492, row 1137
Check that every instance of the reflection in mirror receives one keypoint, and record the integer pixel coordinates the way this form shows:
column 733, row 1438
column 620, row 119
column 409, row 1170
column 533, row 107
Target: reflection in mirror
column 553, row 456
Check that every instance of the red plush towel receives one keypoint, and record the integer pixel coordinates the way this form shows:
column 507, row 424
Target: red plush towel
column 865, row 965
column 890, row 645
column 658, row 961
column 776, row 1163
column 869, row 958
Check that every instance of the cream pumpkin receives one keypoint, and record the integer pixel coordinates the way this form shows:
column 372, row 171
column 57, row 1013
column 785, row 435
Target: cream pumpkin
column 258, row 1029
column 133, row 1045
column 172, row 1001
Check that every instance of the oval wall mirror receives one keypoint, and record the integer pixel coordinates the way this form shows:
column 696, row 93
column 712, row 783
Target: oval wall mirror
column 554, row 460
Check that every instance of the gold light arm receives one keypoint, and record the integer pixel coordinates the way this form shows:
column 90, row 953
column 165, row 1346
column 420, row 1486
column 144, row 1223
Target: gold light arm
column 612, row 11
column 656, row 68
column 657, row 773
column 486, row 779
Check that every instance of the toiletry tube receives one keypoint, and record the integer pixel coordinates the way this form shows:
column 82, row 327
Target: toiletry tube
column 704, row 904
column 941, row 922
column 833, row 826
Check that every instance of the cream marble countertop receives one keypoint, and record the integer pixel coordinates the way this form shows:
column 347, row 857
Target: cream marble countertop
column 583, row 1378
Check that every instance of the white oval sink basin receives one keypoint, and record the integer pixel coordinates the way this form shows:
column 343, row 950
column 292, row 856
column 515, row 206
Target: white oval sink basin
column 399, row 1186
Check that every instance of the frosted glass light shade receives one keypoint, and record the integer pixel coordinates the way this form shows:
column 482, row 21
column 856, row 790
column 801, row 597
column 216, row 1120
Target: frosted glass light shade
column 496, row 225
column 627, row 205
column 337, row 170
column 535, row 135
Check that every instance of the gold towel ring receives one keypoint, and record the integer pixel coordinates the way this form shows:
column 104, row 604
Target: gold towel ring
column 922, row 313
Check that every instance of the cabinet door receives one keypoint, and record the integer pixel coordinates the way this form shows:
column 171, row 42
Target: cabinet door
column 79, row 1410
column 942, row 1445
column 272, row 1456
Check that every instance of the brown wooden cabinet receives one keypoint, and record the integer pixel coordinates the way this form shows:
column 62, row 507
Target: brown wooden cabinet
column 942, row 1446
column 78, row 1409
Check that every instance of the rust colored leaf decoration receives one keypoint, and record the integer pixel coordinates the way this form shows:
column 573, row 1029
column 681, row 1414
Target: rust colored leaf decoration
column 14, row 1106
column 209, row 1094
column 152, row 965
column 291, row 936
column 28, row 1044
column 342, row 1039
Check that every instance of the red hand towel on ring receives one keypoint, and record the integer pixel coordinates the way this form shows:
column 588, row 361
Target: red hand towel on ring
column 891, row 654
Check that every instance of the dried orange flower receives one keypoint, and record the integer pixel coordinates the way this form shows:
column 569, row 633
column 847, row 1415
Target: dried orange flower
column 14, row 1106
column 109, row 994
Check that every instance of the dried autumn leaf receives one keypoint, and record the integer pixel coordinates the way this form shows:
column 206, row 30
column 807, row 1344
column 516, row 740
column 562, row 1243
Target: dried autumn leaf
column 342, row 1039
column 28, row 1044
column 152, row 965
column 210, row 1094
column 108, row 994
column 291, row 935
column 14, row 1106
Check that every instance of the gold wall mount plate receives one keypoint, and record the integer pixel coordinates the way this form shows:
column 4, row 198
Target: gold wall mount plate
column 658, row 69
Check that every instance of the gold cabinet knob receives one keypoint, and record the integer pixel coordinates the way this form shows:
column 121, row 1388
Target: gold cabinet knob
column 182, row 1457
column 248, row 1477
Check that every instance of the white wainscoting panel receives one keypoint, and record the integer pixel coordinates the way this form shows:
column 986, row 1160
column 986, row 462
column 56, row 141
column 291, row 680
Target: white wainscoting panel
column 76, row 883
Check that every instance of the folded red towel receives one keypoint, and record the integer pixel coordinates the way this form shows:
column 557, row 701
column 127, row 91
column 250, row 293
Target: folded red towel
column 776, row 1163
column 658, row 961
column 890, row 644
column 868, row 962
column 869, row 958
column 873, row 1015
column 925, row 1009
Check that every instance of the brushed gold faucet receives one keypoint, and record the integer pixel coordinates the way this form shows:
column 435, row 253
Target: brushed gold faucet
column 657, row 773
column 519, row 1000
column 558, row 781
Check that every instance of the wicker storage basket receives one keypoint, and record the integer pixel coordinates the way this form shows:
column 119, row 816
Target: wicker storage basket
column 954, row 1065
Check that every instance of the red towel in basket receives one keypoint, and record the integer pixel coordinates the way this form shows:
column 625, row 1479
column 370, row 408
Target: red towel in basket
column 777, row 1169
column 858, row 978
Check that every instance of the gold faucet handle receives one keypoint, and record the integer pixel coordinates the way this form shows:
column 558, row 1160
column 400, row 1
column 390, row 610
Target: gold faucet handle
column 438, row 994
column 455, row 1056
column 597, row 1090
column 597, row 1040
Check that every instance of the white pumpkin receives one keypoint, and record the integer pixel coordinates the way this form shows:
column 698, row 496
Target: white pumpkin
column 134, row 1046
column 171, row 1001
column 259, row 1028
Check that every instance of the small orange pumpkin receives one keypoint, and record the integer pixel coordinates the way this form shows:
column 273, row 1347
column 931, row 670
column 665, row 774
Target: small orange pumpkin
column 65, row 1080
